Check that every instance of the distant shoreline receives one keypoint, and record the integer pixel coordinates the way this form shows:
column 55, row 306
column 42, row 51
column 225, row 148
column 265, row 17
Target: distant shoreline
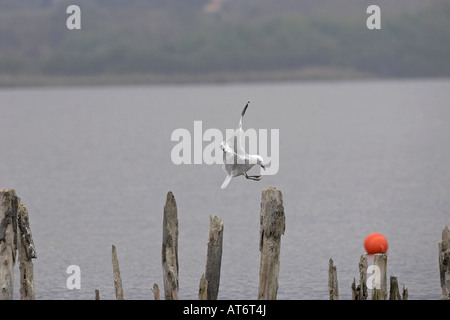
column 308, row 74
column 304, row 74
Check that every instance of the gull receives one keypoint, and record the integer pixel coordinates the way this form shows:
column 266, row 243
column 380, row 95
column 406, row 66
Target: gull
column 236, row 162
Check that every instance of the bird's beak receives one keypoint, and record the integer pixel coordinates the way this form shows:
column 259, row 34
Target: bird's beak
column 263, row 167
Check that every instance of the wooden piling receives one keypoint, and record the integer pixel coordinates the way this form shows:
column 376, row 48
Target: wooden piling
column 363, row 277
column 170, row 248
column 15, row 234
column 405, row 293
column 332, row 281
column 27, row 252
column 394, row 293
column 203, row 288
column 360, row 292
column 272, row 226
column 355, row 290
column 214, row 257
column 380, row 260
column 444, row 263
column 8, row 241
column 155, row 290
column 116, row 275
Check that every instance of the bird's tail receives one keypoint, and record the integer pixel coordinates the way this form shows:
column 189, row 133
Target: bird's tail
column 226, row 182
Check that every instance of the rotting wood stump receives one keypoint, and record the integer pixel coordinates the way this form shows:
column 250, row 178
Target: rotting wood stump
column 272, row 226
column 169, row 250
column 214, row 257
column 9, row 203
column 444, row 263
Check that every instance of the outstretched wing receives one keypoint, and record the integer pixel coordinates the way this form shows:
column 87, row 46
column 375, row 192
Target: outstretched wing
column 242, row 115
column 234, row 150
column 236, row 141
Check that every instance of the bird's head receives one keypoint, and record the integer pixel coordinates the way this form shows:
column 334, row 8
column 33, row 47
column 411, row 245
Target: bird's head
column 260, row 161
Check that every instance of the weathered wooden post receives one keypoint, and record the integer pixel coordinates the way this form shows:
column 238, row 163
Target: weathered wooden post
column 360, row 292
column 203, row 288
column 394, row 293
column 379, row 291
column 355, row 290
column 97, row 294
column 332, row 281
column 363, row 276
column 272, row 226
column 444, row 263
column 405, row 293
column 170, row 248
column 156, row 292
column 26, row 253
column 9, row 203
column 214, row 257
column 116, row 275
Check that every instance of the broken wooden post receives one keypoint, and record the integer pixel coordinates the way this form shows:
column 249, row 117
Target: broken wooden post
column 363, row 277
column 360, row 292
column 203, row 288
column 332, row 281
column 26, row 253
column 405, row 293
column 394, row 293
column 444, row 264
column 355, row 290
column 214, row 257
column 379, row 291
column 156, row 292
column 8, row 241
column 116, row 275
column 170, row 248
column 272, row 226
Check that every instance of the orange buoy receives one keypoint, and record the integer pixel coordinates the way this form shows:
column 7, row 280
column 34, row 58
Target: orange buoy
column 376, row 243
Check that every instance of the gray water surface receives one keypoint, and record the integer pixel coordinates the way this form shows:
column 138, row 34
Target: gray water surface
column 93, row 166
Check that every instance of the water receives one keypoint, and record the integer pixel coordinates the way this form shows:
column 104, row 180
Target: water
column 93, row 167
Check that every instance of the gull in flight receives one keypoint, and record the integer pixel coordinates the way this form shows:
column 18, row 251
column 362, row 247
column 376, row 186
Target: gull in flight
column 236, row 162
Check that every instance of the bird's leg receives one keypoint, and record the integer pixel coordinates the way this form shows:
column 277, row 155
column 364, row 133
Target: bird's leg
column 255, row 178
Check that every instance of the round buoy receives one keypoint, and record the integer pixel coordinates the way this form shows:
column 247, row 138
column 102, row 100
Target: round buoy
column 376, row 243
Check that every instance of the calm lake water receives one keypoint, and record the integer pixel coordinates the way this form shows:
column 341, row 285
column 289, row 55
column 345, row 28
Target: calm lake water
column 93, row 166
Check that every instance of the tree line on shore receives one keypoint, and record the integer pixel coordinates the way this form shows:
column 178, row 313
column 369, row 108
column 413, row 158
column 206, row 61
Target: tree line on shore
column 142, row 39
